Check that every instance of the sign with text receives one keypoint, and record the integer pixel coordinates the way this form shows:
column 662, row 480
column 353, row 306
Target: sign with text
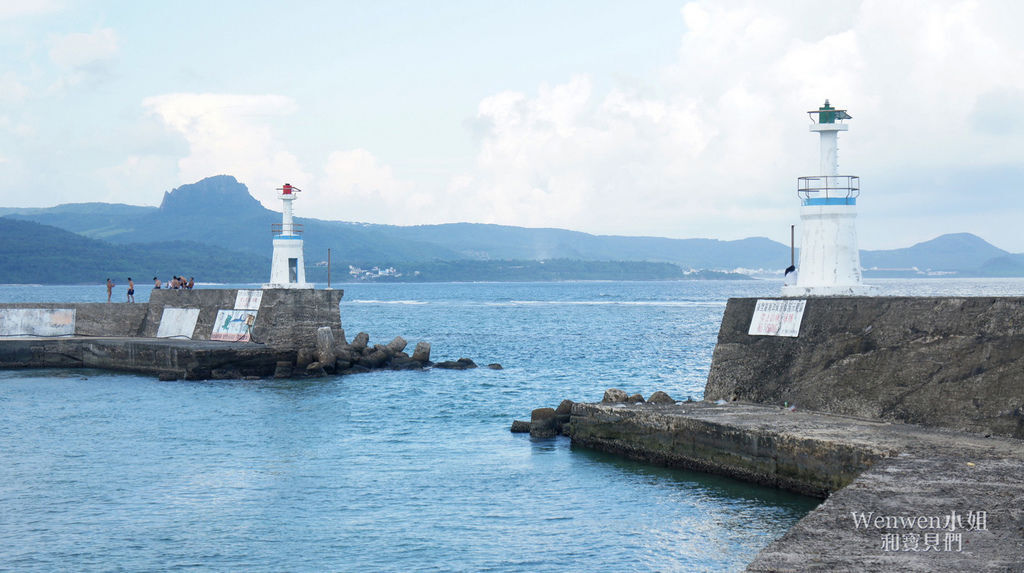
column 777, row 318
column 233, row 325
column 247, row 299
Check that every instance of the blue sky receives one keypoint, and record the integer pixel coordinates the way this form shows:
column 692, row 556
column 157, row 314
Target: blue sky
column 678, row 119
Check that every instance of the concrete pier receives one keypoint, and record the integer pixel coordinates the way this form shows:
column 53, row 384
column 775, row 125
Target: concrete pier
column 933, row 499
column 127, row 337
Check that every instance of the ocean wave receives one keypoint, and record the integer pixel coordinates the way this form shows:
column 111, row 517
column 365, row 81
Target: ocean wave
column 680, row 303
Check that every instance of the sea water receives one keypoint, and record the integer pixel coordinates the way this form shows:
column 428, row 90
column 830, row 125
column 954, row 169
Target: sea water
column 392, row 471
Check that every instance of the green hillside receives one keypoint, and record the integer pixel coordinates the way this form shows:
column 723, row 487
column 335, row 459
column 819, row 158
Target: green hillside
column 35, row 253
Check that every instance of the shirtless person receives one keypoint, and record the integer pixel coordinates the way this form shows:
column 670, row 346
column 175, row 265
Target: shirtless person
column 156, row 283
column 131, row 290
column 110, row 288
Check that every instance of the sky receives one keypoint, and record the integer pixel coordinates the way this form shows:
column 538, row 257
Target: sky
column 665, row 118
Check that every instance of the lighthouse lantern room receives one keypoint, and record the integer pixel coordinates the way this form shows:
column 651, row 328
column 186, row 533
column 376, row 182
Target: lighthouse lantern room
column 287, row 269
column 829, row 256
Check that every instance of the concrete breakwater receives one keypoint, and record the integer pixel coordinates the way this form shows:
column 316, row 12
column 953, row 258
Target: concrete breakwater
column 899, row 497
column 905, row 414
column 202, row 334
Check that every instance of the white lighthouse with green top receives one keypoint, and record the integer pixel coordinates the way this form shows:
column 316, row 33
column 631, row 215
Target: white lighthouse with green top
column 829, row 256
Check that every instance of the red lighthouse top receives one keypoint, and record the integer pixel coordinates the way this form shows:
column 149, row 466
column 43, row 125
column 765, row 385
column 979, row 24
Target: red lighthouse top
column 287, row 189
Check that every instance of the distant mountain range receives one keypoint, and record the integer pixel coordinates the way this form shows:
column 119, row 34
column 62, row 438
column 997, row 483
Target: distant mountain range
column 217, row 228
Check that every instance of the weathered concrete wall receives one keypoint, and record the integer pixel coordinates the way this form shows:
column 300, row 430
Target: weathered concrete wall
column 936, row 361
column 287, row 318
column 97, row 318
column 196, row 360
column 707, row 438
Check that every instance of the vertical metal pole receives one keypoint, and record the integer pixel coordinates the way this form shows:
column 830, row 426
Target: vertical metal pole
column 792, row 247
column 328, row 268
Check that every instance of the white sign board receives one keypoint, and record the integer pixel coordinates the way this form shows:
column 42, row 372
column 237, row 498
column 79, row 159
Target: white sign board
column 37, row 321
column 777, row 318
column 177, row 322
column 233, row 325
column 248, row 299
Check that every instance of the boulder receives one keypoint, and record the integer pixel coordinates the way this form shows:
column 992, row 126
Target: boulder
column 660, row 397
column 614, row 395
column 520, row 427
column 460, row 364
column 635, row 399
column 305, row 357
column 405, row 363
column 564, row 408
column 283, row 369
column 397, row 345
column 325, row 345
column 495, row 366
column 544, row 423
column 422, row 352
column 341, row 337
column 316, row 370
column 375, row 359
column 342, row 365
column 345, row 353
column 168, row 376
column 360, row 341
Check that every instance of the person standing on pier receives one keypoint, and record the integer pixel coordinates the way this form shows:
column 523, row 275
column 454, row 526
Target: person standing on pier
column 131, row 290
column 156, row 283
column 110, row 288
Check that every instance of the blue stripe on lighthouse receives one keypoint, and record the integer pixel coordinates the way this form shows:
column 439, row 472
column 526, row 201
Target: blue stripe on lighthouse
column 831, row 201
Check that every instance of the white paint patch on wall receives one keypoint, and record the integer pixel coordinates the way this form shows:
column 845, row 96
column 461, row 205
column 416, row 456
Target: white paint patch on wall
column 177, row 322
column 37, row 322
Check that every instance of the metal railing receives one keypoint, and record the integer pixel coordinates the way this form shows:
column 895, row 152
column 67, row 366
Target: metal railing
column 278, row 228
column 828, row 187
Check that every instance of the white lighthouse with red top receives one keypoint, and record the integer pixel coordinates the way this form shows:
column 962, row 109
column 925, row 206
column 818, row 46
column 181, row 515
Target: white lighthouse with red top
column 288, row 267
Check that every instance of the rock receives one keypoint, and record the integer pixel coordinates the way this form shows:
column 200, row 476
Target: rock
column 304, row 357
column 325, row 345
column 520, row 427
column 495, row 366
column 405, row 363
column 375, row 359
column 360, row 341
column 341, row 337
column 460, row 364
column 614, row 395
column 564, row 408
column 316, row 370
column 283, row 370
column 342, row 365
column 355, row 369
column 660, row 397
column 168, row 376
column 543, row 423
column 345, row 353
column 422, row 352
column 635, row 399
column 252, row 378
column 397, row 345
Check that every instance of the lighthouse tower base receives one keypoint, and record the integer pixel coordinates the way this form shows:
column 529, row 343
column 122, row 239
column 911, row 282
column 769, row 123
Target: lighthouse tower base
column 829, row 257
column 288, row 268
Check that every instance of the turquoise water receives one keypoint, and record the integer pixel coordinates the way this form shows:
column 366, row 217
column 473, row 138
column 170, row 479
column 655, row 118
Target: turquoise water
column 390, row 471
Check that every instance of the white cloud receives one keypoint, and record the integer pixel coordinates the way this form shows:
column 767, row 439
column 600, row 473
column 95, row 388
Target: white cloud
column 83, row 57
column 357, row 187
column 229, row 133
column 715, row 151
column 12, row 90
column 11, row 9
